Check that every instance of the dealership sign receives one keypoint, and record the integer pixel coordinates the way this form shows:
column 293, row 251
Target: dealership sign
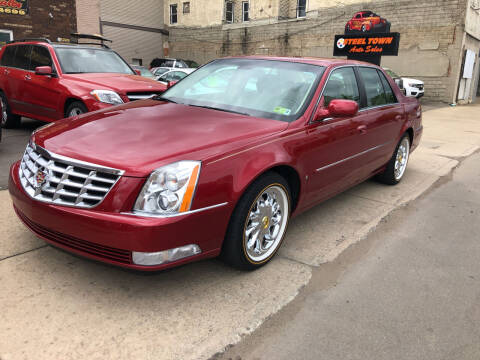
column 15, row 7
column 376, row 44
column 367, row 37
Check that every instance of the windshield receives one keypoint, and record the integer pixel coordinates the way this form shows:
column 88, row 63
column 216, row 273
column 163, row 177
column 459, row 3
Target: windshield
column 86, row 60
column 262, row 88
column 392, row 74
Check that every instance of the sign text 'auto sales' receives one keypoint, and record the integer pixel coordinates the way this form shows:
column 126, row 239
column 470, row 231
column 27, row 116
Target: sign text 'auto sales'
column 375, row 44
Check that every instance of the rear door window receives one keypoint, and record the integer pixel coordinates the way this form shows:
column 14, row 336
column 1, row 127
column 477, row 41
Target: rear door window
column 391, row 98
column 22, row 57
column 342, row 84
column 8, row 57
column 40, row 57
column 374, row 90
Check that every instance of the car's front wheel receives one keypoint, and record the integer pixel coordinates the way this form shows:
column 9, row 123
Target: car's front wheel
column 397, row 165
column 7, row 120
column 258, row 224
column 76, row 108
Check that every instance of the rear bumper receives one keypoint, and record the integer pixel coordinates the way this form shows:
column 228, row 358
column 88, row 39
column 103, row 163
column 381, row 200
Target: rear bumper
column 111, row 237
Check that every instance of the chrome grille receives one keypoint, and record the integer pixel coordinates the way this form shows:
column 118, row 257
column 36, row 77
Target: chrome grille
column 60, row 180
column 141, row 95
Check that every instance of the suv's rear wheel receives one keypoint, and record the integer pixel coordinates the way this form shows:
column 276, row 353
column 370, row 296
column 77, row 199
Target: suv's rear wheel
column 7, row 119
column 76, row 108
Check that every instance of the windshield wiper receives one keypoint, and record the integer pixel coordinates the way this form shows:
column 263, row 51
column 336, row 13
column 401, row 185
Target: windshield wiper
column 219, row 109
column 161, row 98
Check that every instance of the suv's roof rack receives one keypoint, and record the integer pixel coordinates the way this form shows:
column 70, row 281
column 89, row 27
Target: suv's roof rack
column 30, row 39
column 98, row 37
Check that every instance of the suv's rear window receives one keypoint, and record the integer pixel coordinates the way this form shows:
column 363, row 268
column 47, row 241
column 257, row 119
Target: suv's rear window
column 75, row 60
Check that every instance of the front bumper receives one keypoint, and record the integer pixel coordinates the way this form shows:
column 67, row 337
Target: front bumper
column 112, row 236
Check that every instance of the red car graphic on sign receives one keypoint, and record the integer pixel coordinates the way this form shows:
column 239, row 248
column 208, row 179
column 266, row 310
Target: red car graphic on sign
column 367, row 21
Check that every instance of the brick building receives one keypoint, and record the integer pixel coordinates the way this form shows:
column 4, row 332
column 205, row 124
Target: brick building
column 439, row 38
column 54, row 19
column 137, row 31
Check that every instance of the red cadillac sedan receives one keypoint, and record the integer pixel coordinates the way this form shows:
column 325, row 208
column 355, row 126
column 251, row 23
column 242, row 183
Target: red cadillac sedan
column 216, row 165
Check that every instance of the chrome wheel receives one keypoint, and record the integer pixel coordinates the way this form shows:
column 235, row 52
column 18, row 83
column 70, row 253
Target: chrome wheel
column 3, row 107
column 266, row 223
column 75, row 112
column 401, row 159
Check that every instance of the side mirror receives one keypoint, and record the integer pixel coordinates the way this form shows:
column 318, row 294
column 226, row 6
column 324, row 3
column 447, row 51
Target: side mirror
column 43, row 70
column 138, row 72
column 170, row 84
column 342, row 108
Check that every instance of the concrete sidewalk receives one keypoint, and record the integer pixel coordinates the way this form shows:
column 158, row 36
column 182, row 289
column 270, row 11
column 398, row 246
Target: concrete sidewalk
column 58, row 306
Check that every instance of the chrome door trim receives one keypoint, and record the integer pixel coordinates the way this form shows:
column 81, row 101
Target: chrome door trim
column 352, row 157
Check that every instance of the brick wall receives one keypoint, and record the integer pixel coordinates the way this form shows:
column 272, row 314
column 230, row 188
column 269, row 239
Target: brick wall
column 46, row 18
column 430, row 45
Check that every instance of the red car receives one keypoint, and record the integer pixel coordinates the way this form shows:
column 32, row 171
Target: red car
column 367, row 21
column 217, row 165
column 47, row 81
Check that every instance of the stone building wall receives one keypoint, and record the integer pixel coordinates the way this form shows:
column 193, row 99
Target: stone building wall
column 430, row 45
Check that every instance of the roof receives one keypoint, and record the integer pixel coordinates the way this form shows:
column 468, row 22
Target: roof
column 305, row 60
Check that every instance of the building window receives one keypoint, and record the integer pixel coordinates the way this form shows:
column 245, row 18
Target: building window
column 173, row 14
column 5, row 36
column 229, row 11
column 301, row 8
column 186, row 7
column 245, row 16
column 136, row 61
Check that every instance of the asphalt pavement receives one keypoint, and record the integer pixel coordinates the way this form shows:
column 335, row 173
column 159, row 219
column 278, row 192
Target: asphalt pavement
column 411, row 290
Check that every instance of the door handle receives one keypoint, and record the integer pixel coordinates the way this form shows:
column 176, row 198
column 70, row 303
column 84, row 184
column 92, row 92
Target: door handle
column 28, row 77
column 398, row 117
column 362, row 129
column 6, row 72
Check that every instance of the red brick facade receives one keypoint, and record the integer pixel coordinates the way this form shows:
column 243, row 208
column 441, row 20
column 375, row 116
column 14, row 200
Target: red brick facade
column 46, row 18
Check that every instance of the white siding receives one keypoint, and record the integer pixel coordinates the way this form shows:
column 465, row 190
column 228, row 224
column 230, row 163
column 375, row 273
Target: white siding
column 137, row 44
column 148, row 13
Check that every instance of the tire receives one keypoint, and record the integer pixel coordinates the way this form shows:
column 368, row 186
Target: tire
column 262, row 212
column 7, row 119
column 364, row 28
column 392, row 175
column 76, row 108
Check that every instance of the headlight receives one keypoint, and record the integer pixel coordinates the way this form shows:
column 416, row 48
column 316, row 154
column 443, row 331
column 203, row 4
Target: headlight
column 107, row 96
column 411, row 84
column 169, row 189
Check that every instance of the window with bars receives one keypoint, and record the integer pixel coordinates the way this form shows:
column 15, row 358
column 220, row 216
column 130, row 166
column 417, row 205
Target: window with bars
column 229, row 11
column 173, row 14
column 301, row 8
column 245, row 8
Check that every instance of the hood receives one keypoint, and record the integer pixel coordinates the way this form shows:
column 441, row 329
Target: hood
column 412, row 81
column 120, row 83
column 141, row 136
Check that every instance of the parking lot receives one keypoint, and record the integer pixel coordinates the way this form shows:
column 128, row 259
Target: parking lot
column 56, row 305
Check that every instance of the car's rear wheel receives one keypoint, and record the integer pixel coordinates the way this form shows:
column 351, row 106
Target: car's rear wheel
column 76, row 108
column 364, row 28
column 258, row 224
column 7, row 119
column 397, row 165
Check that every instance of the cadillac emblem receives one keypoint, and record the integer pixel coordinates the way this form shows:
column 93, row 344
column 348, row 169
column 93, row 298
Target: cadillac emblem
column 40, row 177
